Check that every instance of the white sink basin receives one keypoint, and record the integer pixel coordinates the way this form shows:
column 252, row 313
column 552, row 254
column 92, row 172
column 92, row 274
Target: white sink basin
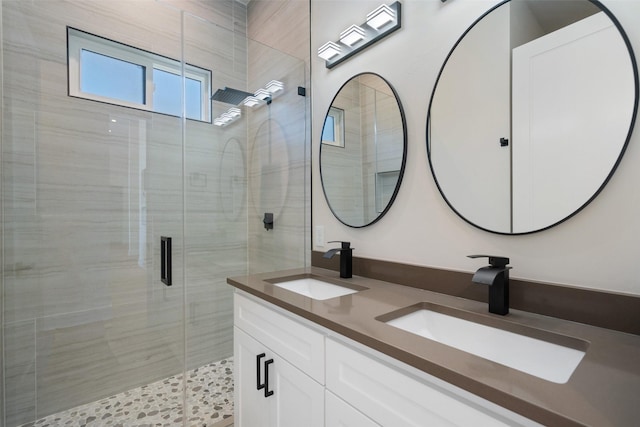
column 546, row 360
column 315, row 289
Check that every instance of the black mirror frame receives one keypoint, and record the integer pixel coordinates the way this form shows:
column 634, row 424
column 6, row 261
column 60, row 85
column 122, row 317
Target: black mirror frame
column 404, row 152
column 618, row 160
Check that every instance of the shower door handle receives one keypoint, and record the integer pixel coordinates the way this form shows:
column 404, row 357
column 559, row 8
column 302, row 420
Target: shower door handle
column 165, row 260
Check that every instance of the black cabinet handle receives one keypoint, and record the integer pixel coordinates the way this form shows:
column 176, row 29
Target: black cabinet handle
column 259, row 386
column 165, row 260
column 267, row 392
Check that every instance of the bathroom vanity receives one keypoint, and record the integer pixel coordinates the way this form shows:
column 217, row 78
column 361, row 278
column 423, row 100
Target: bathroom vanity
column 315, row 350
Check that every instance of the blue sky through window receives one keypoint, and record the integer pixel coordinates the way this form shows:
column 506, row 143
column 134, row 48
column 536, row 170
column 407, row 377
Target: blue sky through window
column 167, row 98
column 107, row 71
column 113, row 78
column 328, row 131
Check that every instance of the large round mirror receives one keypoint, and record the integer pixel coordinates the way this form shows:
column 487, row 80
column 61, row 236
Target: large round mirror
column 531, row 113
column 363, row 150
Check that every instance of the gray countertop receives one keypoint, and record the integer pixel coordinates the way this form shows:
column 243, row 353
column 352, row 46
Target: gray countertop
column 604, row 390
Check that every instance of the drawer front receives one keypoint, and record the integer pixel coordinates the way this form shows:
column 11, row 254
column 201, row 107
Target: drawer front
column 299, row 344
column 393, row 398
column 341, row 414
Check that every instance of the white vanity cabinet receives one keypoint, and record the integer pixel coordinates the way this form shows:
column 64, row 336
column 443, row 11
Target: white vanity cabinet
column 340, row 414
column 320, row 378
column 278, row 364
column 393, row 394
column 272, row 392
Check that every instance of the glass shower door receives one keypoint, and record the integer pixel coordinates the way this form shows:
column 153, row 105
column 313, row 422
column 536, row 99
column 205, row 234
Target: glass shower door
column 278, row 163
column 88, row 190
column 91, row 333
column 215, row 220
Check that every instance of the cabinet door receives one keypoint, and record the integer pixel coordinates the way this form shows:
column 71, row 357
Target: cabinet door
column 297, row 400
column 340, row 414
column 251, row 407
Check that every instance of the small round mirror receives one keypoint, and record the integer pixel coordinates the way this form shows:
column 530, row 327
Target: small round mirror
column 363, row 150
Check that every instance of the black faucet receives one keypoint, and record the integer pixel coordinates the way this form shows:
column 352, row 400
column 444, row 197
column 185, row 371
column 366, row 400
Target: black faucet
column 346, row 257
column 496, row 275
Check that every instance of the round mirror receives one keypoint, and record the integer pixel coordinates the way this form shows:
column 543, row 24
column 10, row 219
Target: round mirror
column 363, row 150
column 531, row 113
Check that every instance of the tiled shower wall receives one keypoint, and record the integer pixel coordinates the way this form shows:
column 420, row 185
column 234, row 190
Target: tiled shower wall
column 279, row 136
column 89, row 188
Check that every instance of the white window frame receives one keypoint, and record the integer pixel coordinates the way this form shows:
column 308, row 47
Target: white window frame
column 78, row 40
column 338, row 127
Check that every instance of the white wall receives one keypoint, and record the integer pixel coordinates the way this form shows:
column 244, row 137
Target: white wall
column 598, row 248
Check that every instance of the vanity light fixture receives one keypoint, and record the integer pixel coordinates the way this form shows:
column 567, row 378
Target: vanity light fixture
column 221, row 121
column 234, row 112
column 252, row 101
column 328, row 50
column 263, row 94
column 380, row 17
column 239, row 98
column 380, row 22
column 230, row 116
column 274, row 86
column 352, row 35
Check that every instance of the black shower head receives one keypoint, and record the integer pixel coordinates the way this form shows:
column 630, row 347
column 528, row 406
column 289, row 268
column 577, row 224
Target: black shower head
column 230, row 95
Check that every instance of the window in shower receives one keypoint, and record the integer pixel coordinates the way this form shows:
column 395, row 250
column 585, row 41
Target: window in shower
column 107, row 71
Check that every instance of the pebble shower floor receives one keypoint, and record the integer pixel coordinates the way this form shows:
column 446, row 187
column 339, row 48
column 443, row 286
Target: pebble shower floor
column 159, row 404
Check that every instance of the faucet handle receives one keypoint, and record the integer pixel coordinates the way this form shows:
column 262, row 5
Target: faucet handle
column 344, row 245
column 494, row 261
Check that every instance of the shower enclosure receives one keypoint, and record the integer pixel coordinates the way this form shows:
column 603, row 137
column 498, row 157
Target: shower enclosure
column 90, row 188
